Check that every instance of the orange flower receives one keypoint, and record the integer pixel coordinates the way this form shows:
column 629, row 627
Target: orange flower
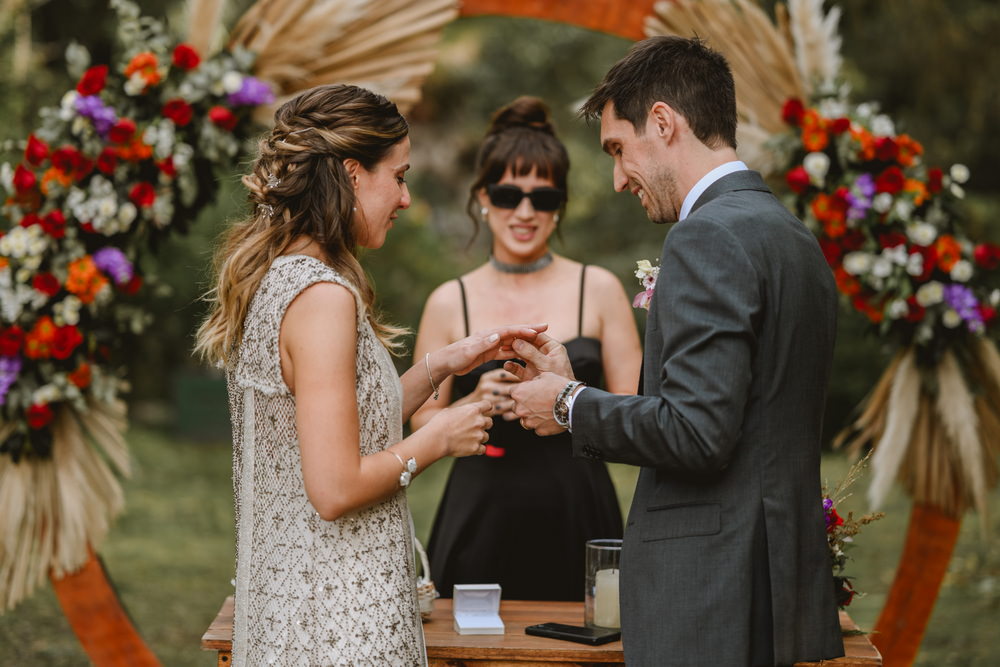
column 919, row 190
column 846, row 283
column 909, row 149
column 38, row 341
column 832, row 212
column 53, row 174
column 4, row 263
column 145, row 64
column 84, row 280
column 814, row 135
column 135, row 151
column 948, row 252
column 866, row 142
column 81, row 376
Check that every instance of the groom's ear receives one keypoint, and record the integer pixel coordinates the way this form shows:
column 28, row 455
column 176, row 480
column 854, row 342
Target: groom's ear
column 662, row 120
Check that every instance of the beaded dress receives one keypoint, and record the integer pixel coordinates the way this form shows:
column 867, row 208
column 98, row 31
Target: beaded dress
column 313, row 592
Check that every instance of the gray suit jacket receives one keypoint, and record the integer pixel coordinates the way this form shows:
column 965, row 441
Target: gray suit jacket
column 725, row 559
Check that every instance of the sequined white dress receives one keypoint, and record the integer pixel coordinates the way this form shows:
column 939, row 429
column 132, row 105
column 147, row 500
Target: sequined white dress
column 311, row 592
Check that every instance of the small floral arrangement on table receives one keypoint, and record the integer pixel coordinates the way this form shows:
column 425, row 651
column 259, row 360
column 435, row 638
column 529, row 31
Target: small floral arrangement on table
column 889, row 225
column 647, row 273
column 127, row 157
column 840, row 531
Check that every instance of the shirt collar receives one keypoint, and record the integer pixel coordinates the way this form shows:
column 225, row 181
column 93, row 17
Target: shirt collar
column 705, row 181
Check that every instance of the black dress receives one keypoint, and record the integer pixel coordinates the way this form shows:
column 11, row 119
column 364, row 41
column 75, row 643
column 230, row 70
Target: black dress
column 520, row 515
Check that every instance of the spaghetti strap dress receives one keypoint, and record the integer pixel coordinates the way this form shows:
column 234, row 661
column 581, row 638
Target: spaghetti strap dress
column 521, row 515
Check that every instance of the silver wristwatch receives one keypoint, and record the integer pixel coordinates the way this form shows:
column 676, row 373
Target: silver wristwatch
column 560, row 409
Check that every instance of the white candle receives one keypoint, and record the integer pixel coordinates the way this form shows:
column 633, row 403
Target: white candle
column 606, row 612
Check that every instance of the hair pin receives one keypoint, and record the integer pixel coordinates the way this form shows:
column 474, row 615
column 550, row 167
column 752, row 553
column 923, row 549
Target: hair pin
column 272, row 181
column 270, row 210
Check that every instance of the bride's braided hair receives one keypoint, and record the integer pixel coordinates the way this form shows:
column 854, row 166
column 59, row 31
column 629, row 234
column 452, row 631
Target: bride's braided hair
column 298, row 186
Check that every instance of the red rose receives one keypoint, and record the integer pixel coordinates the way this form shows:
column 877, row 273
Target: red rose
column 132, row 286
column 891, row 240
column 833, row 520
column 54, row 224
column 987, row 255
column 934, row 179
column 891, row 180
column 30, row 219
column 792, row 111
column 24, row 179
column 797, row 179
column 853, row 239
column 36, row 151
column 66, row 159
column 107, row 161
column 988, row 313
column 178, row 111
column 886, row 149
column 915, row 312
column 88, row 227
column 831, row 250
column 46, row 283
column 39, row 416
column 186, row 57
column 66, row 340
column 166, row 165
column 93, row 80
column 142, row 194
column 122, row 131
column 11, row 339
column 223, row 117
column 840, row 125
column 930, row 255
column 81, row 376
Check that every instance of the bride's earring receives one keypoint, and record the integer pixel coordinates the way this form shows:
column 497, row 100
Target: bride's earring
column 556, row 218
column 485, row 213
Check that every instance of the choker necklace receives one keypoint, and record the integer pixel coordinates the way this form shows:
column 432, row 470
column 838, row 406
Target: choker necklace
column 530, row 267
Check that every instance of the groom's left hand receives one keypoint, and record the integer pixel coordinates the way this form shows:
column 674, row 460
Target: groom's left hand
column 533, row 401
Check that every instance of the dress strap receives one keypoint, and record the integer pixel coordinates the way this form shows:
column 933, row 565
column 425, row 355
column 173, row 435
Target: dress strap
column 579, row 325
column 465, row 306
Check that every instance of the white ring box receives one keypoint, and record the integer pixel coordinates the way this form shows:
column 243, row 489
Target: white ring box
column 476, row 608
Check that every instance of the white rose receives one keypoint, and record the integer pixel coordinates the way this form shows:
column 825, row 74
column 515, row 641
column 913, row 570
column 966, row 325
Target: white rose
column 882, row 202
column 858, row 262
column 127, row 213
column 232, row 81
column 897, row 309
column 995, row 298
column 882, row 126
column 106, row 207
column 881, row 268
column 957, row 190
column 951, row 319
column 903, row 209
column 896, row 255
column 915, row 264
column 930, row 294
column 922, row 233
column 642, row 268
column 961, row 271
column 959, row 173
column 7, row 177
column 135, row 85
column 816, row 165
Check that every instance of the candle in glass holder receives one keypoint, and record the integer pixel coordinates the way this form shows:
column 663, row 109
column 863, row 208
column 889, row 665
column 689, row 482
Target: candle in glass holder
column 606, row 612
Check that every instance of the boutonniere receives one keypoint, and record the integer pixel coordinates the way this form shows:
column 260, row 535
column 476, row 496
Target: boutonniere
column 647, row 274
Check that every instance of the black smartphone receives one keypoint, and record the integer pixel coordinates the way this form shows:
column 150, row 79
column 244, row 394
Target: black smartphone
column 574, row 633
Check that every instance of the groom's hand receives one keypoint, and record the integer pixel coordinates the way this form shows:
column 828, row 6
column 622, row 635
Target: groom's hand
column 533, row 401
column 545, row 354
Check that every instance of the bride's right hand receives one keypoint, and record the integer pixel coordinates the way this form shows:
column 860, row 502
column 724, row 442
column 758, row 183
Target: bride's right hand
column 462, row 428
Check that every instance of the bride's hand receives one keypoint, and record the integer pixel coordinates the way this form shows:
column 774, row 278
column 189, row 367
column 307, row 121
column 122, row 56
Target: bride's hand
column 463, row 355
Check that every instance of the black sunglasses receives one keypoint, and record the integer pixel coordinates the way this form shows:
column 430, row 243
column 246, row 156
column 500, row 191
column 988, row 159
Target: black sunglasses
column 510, row 196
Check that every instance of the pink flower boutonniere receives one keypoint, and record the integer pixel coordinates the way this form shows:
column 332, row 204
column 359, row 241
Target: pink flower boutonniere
column 647, row 274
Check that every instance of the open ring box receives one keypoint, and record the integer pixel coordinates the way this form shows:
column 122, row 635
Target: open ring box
column 476, row 608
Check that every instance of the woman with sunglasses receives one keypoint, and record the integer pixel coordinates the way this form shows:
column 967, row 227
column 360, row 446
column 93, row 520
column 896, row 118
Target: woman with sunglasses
column 520, row 515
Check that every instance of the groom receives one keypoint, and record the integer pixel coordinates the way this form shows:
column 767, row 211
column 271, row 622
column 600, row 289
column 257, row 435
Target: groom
column 725, row 559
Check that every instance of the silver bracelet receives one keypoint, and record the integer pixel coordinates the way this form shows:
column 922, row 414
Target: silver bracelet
column 430, row 378
column 409, row 468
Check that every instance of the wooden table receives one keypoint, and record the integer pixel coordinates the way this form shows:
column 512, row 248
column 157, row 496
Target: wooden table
column 446, row 648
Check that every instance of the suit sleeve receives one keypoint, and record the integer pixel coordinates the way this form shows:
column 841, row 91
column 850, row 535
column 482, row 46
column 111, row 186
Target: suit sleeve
column 705, row 306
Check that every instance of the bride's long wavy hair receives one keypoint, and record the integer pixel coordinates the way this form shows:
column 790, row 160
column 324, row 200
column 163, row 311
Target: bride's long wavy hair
column 298, row 186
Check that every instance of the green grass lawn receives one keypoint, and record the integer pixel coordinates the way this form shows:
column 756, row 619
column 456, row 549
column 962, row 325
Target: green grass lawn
column 171, row 558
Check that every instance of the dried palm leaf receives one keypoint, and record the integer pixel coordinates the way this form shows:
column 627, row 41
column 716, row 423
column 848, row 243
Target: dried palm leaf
column 54, row 509
column 204, row 23
column 904, row 401
column 868, row 428
column 817, row 42
column 388, row 46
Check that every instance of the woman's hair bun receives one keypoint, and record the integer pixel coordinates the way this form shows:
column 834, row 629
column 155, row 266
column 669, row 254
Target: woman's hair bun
column 525, row 111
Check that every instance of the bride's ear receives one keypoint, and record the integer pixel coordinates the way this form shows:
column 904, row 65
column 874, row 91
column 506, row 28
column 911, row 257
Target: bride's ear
column 352, row 167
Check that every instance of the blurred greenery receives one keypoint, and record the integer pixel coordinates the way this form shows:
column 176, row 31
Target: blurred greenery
column 930, row 65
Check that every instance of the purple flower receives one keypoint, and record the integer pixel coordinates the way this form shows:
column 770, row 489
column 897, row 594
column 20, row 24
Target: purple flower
column 114, row 263
column 102, row 116
column 253, row 92
column 964, row 302
column 859, row 198
column 10, row 368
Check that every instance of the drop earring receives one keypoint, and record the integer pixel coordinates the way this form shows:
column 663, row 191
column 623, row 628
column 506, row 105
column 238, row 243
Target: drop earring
column 556, row 218
column 485, row 213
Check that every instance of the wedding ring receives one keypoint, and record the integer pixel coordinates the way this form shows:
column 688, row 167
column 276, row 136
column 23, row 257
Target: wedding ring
column 522, row 423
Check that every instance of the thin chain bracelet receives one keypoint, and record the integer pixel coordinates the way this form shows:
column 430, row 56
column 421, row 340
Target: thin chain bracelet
column 430, row 378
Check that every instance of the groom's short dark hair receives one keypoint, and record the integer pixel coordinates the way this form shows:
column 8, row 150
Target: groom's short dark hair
column 685, row 73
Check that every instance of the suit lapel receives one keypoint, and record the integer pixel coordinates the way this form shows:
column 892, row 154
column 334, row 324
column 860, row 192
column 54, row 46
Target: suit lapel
column 738, row 180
